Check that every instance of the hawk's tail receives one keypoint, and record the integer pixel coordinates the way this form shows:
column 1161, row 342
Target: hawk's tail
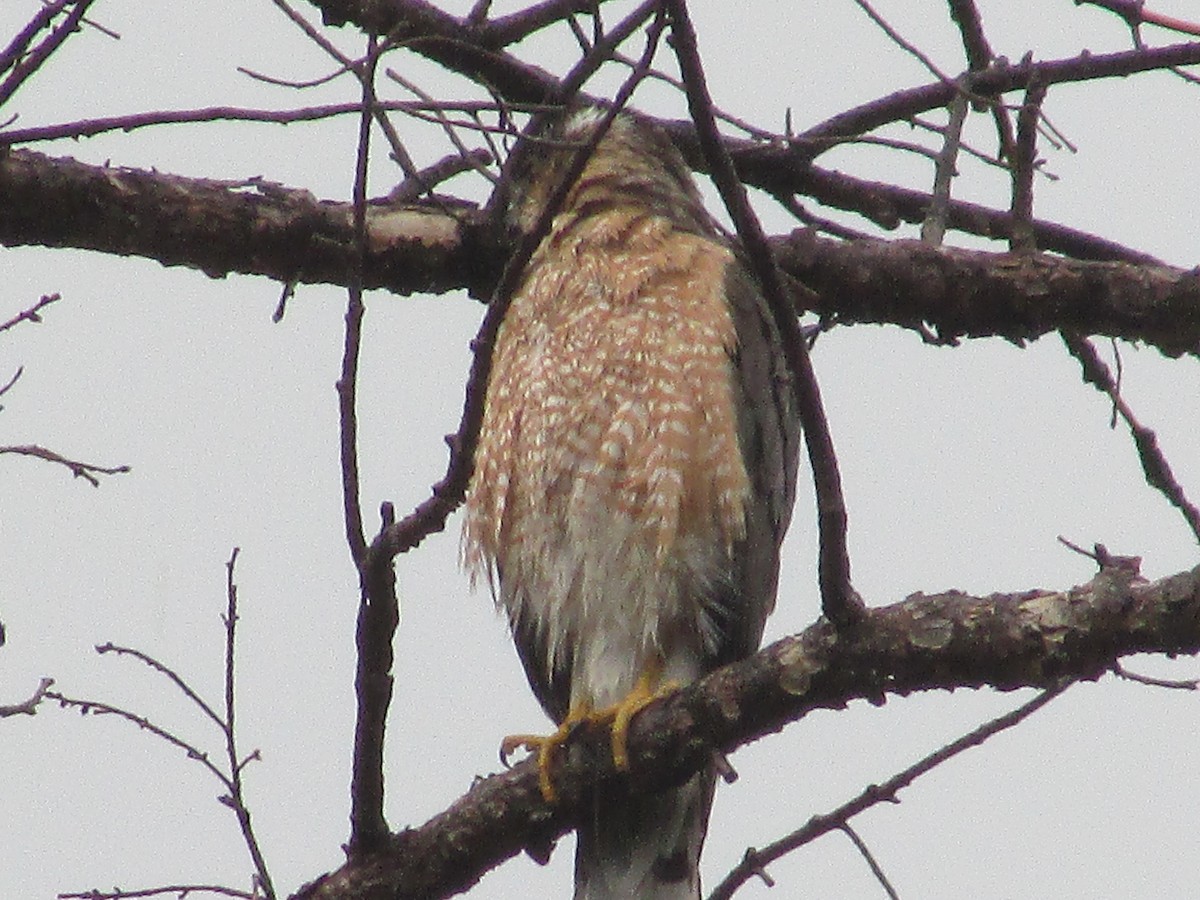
column 644, row 845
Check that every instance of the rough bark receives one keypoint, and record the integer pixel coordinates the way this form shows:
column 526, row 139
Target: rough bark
column 925, row 642
column 260, row 228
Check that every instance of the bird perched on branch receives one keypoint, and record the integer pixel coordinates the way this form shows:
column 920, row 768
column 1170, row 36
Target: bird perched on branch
column 635, row 470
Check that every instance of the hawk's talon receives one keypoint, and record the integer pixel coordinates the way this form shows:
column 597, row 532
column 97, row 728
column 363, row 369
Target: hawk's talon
column 515, row 742
column 622, row 713
column 545, row 746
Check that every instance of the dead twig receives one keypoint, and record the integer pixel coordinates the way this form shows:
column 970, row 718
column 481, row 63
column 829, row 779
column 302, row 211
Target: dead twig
column 755, row 861
column 86, row 471
column 28, row 707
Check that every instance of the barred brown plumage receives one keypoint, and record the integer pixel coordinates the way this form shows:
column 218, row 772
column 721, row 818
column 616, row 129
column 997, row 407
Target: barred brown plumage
column 635, row 468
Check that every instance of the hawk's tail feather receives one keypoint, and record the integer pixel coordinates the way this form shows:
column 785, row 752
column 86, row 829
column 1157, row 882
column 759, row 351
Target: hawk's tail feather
column 644, row 845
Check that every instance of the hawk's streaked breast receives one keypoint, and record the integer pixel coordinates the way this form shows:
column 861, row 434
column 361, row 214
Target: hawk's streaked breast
column 609, row 486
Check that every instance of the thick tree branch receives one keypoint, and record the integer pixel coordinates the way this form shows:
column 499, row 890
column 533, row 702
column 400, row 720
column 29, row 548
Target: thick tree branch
column 253, row 227
column 970, row 293
column 287, row 234
column 925, row 642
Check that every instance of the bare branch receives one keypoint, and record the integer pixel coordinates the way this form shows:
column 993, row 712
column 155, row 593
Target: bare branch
column 1181, row 684
column 24, row 64
column 867, row 855
column 211, row 114
column 7, row 386
column 170, row 673
column 378, row 614
column 999, row 78
column 98, row 708
column 933, row 229
column 1134, row 12
column 86, row 471
column 32, row 314
column 1024, row 164
column 28, row 707
column 288, row 235
column 907, row 46
column 176, row 890
column 1154, row 462
column 754, row 862
column 237, row 798
column 1031, row 639
column 911, row 284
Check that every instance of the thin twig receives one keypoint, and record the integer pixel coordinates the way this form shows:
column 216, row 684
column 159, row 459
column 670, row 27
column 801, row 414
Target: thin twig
column 176, row 890
column 1024, row 164
column 411, row 189
column 234, row 798
column 21, row 71
column 1154, row 463
column 839, row 601
column 1181, row 684
column 7, row 386
column 33, row 313
column 92, row 127
column 237, row 799
column 470, row 157
column 28, row 707
column 755, row 861
column 933, row 229
column 97, row 707
column 291, row 83
column 1134, row 12
column 19, row 45
column 867, row 855
column 86, row 471
column 171, row 675
column 377, row 614
column 905, row 45
column 1000, row 78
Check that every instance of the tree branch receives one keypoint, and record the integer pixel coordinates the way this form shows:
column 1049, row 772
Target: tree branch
column 86, row 471
column 755, row 861
column 925, row 642
column 971, row 293
column 27, row 707
column 259, row 228
column 252, row 226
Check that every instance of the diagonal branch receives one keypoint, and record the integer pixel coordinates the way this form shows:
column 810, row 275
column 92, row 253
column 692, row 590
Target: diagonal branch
column 755, row 861
column 926, row 642
column 1154, row 462
column 839, row 601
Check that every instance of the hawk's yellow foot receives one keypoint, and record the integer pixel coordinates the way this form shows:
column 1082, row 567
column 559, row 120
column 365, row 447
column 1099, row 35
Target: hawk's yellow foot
column 645, row 692
column 545, row 746
column 620, row 714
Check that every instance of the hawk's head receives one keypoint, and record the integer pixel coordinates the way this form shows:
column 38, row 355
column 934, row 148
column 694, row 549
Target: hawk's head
column 633, row 163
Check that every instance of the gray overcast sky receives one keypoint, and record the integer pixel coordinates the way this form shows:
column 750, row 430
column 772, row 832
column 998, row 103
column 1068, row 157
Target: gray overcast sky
column 961, row 467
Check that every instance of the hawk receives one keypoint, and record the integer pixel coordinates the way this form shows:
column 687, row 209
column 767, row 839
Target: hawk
column 635, row 469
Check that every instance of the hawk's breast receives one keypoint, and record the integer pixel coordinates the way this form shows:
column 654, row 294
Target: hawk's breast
column 609, row 486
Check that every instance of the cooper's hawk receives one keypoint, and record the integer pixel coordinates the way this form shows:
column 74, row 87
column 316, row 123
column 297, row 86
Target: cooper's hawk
column 635, row 470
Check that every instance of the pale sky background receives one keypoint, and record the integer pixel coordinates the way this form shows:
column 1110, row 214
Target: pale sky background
column 961, row 466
